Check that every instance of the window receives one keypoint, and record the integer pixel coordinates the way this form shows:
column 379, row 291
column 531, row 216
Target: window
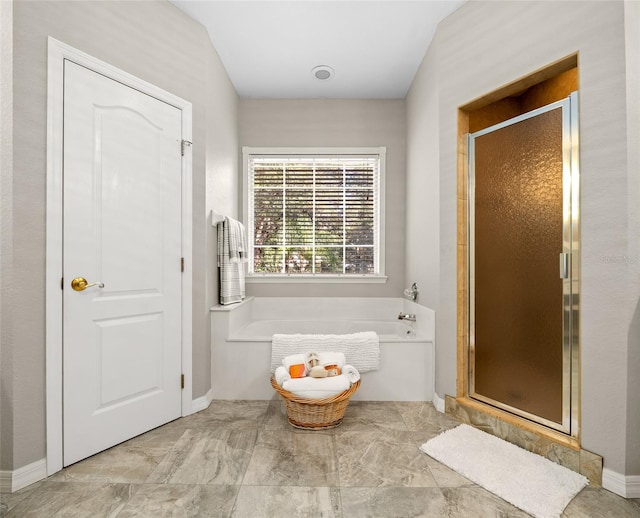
column 315, row 213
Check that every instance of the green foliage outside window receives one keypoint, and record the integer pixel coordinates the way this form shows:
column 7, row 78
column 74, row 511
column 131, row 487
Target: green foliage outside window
column 314, row 216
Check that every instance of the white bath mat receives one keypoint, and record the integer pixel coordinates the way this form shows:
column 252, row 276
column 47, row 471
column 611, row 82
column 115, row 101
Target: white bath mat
column 528, row 481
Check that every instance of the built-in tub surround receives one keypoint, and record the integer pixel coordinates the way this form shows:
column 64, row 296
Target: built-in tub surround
column 241, row 343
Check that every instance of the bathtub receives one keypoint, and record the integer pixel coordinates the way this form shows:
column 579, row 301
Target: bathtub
column 241, row 343
column 263, row 330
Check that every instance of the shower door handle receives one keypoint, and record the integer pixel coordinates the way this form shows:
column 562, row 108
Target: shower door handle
column 564, row 265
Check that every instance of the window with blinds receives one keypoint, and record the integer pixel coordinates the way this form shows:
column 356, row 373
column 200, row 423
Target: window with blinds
column 314, row 215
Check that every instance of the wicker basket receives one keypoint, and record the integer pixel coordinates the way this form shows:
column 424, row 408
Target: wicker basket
column 315, row 414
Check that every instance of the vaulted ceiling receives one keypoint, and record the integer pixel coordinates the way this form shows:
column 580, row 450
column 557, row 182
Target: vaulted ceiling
column 269, row 48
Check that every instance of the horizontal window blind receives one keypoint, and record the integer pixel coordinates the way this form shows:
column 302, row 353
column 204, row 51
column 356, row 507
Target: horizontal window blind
column 314, row 215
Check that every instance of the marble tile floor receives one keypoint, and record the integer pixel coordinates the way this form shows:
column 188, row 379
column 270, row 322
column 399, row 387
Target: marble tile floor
column 242, row 459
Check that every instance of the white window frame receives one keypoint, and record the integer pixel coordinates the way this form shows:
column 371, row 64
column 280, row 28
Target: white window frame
column 379, row 152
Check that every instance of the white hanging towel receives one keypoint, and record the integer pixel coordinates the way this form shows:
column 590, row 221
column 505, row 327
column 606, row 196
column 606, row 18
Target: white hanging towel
column 232, row 256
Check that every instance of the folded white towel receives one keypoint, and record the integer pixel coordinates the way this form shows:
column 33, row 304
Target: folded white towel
column 317, row 388
column 362, row 349
column 282, row 375
column 351, row 373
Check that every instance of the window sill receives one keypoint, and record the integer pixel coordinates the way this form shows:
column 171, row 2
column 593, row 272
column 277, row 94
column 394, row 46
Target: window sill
column 302, row 279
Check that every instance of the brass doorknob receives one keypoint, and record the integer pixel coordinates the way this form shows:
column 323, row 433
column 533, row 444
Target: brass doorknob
column 81, row 284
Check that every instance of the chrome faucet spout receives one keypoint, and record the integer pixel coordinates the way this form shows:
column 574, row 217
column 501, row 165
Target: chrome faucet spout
column 411, row 317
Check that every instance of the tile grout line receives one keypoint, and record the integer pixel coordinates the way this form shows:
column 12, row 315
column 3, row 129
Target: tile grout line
column 253, row 449
column 337, row 459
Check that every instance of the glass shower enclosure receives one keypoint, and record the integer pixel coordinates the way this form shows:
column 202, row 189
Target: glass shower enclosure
column 524, row 265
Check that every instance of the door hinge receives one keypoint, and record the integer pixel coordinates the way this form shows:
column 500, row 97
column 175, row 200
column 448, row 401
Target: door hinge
column 183, row 144
column 62, row 283
column 182, row 264
column 181, row 381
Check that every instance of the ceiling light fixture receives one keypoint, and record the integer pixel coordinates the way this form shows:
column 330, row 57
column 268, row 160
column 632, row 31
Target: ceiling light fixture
column 322, row 72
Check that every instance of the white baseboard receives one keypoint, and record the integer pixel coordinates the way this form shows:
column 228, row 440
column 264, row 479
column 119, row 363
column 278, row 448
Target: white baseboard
column 202, row 402
column 633, row 486
column 626, row 486
column 11, row 481
column 438, row 403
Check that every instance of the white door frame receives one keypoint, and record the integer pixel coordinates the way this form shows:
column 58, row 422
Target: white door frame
column 57, row 53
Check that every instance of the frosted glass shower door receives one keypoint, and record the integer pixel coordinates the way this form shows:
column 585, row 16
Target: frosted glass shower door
column 520, row 265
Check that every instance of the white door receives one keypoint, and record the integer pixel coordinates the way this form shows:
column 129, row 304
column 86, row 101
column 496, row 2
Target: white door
column 122, row 228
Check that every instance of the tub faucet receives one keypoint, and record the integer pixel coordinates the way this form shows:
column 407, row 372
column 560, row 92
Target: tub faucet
column 411, row 317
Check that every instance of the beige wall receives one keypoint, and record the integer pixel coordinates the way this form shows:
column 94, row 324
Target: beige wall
column 338, row 123
column 479, row 48
column 222, row 175
column 422, row 257
column 6, row 232
column 221, row 188
column 158, row 43
column 632, row 33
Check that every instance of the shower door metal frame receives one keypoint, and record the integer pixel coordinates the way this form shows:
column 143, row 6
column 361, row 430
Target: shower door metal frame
column 570, row 284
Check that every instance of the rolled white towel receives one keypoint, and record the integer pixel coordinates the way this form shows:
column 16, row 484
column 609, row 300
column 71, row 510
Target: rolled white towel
column 282, row 375
column 351, row 373
column 317, row 388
